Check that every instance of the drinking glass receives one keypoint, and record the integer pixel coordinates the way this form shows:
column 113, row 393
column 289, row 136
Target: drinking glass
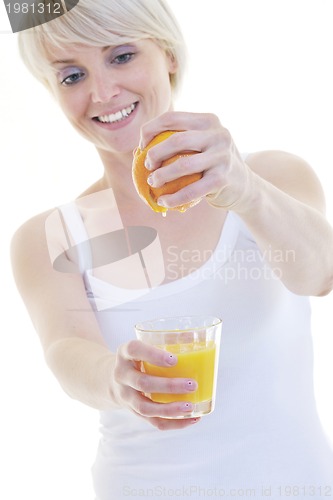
column 195, row 340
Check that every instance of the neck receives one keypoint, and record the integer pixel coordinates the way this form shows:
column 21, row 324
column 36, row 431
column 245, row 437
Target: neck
column 118, row 173
column 118, row 177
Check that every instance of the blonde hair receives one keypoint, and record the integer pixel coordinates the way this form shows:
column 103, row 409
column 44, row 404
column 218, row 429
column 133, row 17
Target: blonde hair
column 103, row 23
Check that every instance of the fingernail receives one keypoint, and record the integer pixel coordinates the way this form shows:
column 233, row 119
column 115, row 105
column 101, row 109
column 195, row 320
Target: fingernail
column 134, row 151
column 191, row 385
column 147, row 164
column 195, row 420
column 161, row 202
column 171, row 360
column 186, row 407
column 150, row 180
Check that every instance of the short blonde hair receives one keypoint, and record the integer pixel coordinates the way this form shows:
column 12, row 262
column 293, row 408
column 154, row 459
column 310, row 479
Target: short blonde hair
column 103, row 23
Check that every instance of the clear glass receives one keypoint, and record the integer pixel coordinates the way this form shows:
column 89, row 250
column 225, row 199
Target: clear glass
column 195, row 340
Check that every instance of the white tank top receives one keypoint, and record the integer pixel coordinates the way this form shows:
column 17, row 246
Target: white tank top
column 264, row 438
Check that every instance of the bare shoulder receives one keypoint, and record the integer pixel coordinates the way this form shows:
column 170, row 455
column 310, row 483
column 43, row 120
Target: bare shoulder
column 290, row 173
column 36, row 241
column 29, row 239
column 55, row 299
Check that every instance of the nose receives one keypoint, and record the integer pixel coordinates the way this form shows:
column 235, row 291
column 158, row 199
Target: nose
column 103, row 86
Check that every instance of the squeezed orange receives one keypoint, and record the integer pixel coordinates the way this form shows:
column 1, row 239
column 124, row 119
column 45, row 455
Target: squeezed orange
column 196, row 361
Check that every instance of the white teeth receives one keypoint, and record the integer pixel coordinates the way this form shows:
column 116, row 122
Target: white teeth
column 116, row 117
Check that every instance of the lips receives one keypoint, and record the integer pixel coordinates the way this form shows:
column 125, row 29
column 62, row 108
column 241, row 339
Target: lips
column 119, row 116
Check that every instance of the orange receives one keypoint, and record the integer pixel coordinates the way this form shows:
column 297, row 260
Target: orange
column 150, row 194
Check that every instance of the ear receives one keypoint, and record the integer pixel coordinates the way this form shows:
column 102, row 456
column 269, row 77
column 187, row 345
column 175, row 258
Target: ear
column 172, row 63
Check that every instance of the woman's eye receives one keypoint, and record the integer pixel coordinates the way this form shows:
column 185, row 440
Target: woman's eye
column 72, row 79
column 123, row 58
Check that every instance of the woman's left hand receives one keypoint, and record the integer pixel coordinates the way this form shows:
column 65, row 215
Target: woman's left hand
column 226, row 180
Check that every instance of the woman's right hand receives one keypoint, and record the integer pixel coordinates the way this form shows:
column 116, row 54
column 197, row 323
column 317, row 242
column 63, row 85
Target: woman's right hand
column 131, row 385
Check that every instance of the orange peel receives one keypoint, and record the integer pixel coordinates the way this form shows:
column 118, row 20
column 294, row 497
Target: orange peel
column 151, row 194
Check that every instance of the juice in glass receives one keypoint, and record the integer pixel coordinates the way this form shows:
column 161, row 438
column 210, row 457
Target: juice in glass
column 195, row 340
column 195, row 361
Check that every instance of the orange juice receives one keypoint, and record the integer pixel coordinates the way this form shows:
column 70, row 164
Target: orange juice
column 196, row 361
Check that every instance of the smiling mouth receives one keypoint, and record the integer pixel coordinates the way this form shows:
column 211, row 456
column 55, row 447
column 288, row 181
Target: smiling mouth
column 117, row 117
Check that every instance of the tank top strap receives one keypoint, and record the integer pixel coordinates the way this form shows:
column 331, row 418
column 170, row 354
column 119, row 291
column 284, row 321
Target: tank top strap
column 76, row 228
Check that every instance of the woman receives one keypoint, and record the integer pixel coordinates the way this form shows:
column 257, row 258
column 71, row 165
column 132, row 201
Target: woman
column 251, row 252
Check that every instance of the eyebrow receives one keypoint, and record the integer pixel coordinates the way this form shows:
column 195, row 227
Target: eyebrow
column 72, row 61
column 63, row 61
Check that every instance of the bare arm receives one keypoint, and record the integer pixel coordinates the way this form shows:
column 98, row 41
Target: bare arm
column 74, row 348
column 61, row 316
column 285, row 213
column 276, row 194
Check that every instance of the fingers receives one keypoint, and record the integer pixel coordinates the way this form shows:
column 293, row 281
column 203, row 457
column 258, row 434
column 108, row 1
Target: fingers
column 190, row 141
column 182, row 142
column 191, row 193
column 179, row 121
column 145, row 407
column 164, row 424
column 225, row 179
column 127, row 372
column 215, row 170
column 165, row 416
column 150, row 384
column 135, row 350
column 132, row 384
column 183, row 165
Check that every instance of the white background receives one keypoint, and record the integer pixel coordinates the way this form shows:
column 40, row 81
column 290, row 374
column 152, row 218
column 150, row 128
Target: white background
column 265, row 67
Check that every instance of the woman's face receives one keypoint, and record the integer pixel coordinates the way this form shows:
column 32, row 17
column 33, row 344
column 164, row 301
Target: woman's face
column 109, row 93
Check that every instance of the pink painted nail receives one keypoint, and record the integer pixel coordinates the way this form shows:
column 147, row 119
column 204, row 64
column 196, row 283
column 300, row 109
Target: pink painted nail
column 187, row 407
column 195, row 420
column 150, row 180
column 171, row 360
column 191, row 386
column 161, row 203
